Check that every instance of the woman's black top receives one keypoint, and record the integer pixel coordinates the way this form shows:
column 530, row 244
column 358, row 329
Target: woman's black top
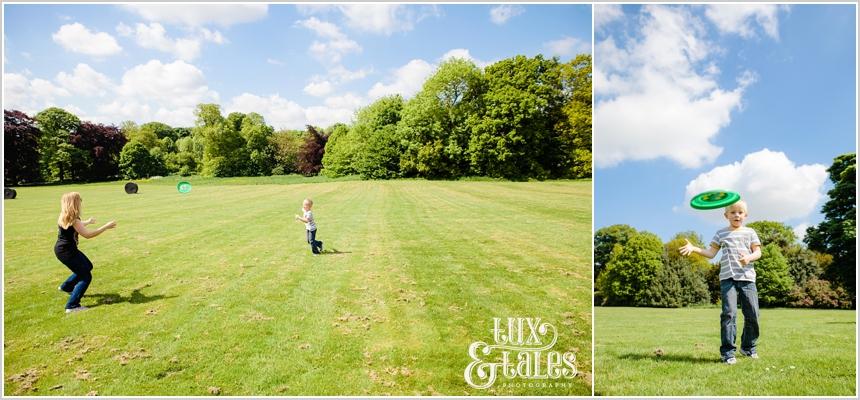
column 67, row 241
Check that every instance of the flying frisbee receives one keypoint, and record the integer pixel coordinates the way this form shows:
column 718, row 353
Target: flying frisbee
column 714, row 199
column 183, row 187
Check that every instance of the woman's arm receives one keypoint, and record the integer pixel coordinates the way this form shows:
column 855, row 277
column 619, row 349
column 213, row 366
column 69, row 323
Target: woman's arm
column 688, row 248
column 82, row 229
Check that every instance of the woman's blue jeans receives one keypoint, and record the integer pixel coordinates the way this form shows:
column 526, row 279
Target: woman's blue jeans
column 78, row 282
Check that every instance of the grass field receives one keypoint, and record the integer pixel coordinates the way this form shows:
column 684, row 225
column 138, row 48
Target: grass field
column 803, row 353
column 216, row 292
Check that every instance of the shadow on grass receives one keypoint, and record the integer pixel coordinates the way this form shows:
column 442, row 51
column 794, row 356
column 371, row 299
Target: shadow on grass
column 332, row 252
column 841, row 322
column 136, row 297
column 680, row 358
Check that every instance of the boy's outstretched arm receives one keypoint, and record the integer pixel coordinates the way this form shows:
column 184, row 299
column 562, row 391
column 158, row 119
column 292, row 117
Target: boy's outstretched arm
column 755, row 255
column 298, row 218
column 688, row 249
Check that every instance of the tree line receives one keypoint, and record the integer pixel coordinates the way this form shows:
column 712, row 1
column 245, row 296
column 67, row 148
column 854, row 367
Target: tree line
column 518, row 118
column 635, row 268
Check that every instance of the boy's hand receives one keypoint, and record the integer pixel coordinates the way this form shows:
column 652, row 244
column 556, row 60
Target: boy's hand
column 90, row 220
column 746, row 260
column 687, row 249
column 297, row 217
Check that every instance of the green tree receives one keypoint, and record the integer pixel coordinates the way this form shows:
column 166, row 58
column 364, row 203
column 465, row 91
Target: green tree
column 605, row 240
column 341, row 151
column 630, row 270
column 258, row 144
column 146, row 137
column 189, row 156
column 377, row 145
column 287, row 144
column 679, row 283
column 56, row 154
column 773, row 279
column 805, row 264
column 576, row 128
column 515, row 135
column 224, row 152
column 837, row 234
column 435, row 131
column 160, row 130
column 776, row 233
column 135, row 161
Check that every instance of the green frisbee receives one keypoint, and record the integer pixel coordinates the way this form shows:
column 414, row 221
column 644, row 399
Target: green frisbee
column 183, row 187
column 714, row 199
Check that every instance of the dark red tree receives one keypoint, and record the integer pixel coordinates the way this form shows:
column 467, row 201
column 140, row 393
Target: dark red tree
column 102, row 143
column 21, row 151
column 312, row 151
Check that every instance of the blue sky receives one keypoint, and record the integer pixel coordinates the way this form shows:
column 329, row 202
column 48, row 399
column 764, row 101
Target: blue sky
column 293, row 64
column 753, row 98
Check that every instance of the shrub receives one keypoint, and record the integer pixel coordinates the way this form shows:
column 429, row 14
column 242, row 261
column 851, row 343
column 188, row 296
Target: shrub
column 818, row 293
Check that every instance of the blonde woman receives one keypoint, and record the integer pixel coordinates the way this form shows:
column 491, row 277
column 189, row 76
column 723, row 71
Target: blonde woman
column 66, row 249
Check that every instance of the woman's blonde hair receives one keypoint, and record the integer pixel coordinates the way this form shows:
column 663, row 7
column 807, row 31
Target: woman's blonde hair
column 70, row 209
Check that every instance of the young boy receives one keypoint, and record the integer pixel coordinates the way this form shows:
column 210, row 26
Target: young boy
column 741, row 246
column 310, row 226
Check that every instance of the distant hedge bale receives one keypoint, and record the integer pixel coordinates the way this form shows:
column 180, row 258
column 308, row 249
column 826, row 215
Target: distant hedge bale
column 131, row 188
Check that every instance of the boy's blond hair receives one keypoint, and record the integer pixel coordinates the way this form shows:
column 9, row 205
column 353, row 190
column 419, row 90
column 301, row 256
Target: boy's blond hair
column 70, row 209
column 308, row 202
column 739, row 204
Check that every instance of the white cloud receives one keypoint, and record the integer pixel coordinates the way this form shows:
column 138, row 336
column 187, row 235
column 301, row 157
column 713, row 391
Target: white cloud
column 212, row 36
column 567, row 47
column 179, row 83
column 337, row 44
column 347, row 101
column 164, row 92
column 197, row 15
column 285, row 114
column 653, row 100
column 385, row 18
column 464, row 54
column 773, row 187
column 326, row 116
column 154, row 36
column 340, row 74
column 604, row 14
column 739, row 18
column 800, row 231
column 502, row 13
column 275, row 62
column 323, row 29
column 79, row 39
column 85, row 81
column 406, row 80
column 30, row 96
column 319, row 89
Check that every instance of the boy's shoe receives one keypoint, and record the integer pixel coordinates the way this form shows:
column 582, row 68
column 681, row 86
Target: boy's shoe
column 321, row 250
column 76, row 309
column 730, row 361
column 750, row 354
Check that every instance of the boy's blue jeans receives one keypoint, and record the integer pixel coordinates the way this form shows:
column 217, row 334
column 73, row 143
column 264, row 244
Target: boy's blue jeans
column 731, row 290
column 312, row 240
